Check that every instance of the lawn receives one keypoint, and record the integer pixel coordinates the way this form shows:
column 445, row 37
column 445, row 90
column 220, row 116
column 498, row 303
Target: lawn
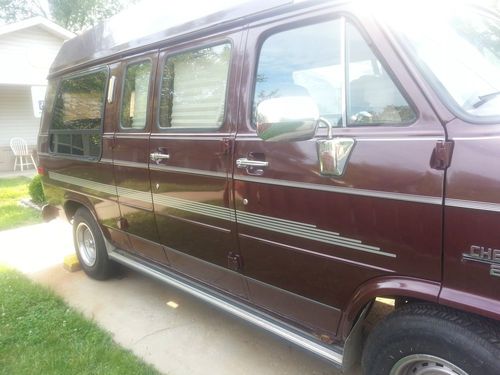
column 11, row 214
column 40, row 334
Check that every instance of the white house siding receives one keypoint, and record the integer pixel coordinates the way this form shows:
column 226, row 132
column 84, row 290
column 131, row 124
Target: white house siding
column 26, row 56
column 16, row 120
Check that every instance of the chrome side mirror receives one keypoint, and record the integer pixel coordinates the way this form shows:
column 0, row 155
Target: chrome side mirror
column 291, row 118
column 333, row 155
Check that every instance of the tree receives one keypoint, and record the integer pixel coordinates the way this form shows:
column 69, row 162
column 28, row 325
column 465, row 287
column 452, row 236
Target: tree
column 17, row 10
column 77, row 15
column 74, row 15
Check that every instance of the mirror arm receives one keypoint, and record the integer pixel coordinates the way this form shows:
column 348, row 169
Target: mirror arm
column 328, row 124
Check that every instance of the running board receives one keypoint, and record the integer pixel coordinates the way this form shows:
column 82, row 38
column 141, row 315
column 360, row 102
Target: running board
column 333, row 354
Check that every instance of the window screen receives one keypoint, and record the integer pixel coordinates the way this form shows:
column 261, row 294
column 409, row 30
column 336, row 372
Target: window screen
column 77, row 115
column 135, row 95
column 193, row 92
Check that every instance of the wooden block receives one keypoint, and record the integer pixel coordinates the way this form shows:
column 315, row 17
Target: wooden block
column 71, row 263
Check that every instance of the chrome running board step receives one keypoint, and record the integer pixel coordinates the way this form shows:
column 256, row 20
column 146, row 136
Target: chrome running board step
column 331, row 353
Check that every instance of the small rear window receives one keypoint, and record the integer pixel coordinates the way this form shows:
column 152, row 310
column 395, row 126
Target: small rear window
column 77, row 115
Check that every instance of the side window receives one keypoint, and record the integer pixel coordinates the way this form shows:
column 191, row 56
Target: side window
column 135, row 95
column 303, row 62
column 193, row 88
column 346, row 80
column 77, row 115
column 373, row 98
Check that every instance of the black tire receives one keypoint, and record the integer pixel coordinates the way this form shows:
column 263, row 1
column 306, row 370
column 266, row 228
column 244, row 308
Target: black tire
column 467, row 341
column 99, row 267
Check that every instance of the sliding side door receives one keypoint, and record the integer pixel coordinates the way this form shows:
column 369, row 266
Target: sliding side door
column 191, row 154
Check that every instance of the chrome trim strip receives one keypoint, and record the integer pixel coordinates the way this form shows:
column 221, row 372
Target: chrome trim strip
column 343, row 68
column 343, row 190
column 131, row 135
column 474, row 205
column 478, row 138
column 131, row 164
column 322, row 351
column 479, row 260
column 244, row 137
column 400, row 139
column 106, row 161
column 198, row 172
column 162, row 136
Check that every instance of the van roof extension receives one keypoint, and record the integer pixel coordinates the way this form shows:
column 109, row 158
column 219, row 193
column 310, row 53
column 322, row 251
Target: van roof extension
column 111, row 38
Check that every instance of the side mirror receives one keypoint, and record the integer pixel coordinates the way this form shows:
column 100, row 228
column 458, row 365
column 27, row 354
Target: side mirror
column 291, row 118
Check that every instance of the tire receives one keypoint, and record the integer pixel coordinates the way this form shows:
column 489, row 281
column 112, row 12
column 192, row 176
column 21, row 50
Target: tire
column 420, row 338
column 90, row 247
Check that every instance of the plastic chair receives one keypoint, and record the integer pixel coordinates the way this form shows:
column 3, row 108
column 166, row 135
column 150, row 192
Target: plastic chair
column 20, row 149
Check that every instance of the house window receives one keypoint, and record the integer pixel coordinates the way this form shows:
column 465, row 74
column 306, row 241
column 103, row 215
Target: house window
column 77, row 115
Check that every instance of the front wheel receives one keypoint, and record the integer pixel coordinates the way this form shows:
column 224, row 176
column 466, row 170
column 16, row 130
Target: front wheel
column 90, row 247
column 427, row 339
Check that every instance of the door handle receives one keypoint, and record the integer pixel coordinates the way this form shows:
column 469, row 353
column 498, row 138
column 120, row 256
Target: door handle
column 157, row 157
column 245, row 163
column 253, row 167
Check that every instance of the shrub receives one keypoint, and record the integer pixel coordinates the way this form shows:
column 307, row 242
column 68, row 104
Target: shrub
column 36, row 190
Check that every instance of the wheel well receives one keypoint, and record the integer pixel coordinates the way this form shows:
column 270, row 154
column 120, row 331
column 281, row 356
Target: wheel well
column 70, row 208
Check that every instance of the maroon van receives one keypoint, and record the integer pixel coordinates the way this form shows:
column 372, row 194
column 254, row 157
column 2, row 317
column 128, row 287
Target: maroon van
column 290, row 162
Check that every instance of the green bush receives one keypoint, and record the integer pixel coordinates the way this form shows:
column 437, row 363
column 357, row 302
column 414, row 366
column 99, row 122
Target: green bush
column 36, row 190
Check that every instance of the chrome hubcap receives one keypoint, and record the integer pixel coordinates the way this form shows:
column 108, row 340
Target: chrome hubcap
column 86, row 244
column 424, row 364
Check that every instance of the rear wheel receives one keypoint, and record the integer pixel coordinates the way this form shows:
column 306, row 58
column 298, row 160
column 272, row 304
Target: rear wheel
column 427, row 339
column 90, row 246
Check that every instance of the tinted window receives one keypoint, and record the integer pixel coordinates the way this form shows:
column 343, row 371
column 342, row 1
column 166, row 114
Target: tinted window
column 193, row 92
column 77, row 115
column 288, row 67
column 135, row 95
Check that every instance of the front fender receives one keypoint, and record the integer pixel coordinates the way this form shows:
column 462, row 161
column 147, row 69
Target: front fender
column 394, row 286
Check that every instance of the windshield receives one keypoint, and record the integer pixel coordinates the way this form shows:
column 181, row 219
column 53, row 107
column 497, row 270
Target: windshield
column 458, row 47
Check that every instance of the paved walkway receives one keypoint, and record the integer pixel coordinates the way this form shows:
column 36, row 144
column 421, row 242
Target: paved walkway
column 175, row 332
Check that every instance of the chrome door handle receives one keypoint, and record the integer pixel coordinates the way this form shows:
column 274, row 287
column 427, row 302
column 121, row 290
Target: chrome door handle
column 245, row 163
column 158, row 156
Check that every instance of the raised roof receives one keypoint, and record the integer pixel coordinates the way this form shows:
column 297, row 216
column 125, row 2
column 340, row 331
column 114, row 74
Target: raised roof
column 152, row 22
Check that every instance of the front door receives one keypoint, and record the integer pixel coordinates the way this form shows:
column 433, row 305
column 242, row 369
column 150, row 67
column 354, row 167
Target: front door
column 309, row 237
column 190, row 152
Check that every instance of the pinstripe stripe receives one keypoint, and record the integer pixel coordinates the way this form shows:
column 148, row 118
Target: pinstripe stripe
column 87, row 184
column 284, row 226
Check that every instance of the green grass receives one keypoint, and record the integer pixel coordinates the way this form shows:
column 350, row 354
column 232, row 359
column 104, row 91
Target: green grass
column 11, row 214
column 40, row 334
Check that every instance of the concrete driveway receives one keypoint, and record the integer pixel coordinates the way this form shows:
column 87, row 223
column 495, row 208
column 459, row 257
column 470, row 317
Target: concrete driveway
column 173, row 331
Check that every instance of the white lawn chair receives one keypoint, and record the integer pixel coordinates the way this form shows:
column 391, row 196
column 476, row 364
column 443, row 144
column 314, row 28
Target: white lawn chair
column 20, row 149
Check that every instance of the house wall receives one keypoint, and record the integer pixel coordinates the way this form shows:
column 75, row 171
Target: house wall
column 26, row 56
column 16, row 120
